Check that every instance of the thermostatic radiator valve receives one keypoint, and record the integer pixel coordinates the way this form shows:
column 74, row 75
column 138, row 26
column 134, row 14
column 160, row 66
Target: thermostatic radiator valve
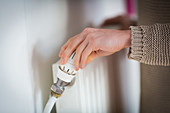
column 65, row 74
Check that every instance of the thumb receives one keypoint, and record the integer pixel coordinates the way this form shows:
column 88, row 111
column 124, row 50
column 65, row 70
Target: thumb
column 91, row 57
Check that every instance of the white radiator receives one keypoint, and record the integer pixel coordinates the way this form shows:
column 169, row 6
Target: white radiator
column 106, row 85
column 89, row 94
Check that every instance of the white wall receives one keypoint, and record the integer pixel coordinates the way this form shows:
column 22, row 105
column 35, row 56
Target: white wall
column 31, row 34
column 15, row 80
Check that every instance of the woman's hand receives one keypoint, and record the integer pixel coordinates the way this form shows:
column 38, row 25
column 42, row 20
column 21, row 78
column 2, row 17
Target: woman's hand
column 92, row 43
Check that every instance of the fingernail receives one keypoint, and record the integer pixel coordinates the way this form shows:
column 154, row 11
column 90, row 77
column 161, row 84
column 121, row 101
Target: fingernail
column 77, row 69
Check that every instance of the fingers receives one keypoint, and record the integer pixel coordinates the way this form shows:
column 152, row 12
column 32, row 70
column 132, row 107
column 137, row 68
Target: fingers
column 72, row 46
column 85, row 55
column 91, row 57
column 63, row 48
column 79, row 51
column 66, row 45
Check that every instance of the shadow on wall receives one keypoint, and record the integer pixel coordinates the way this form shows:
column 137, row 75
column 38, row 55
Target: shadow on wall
column 42, row 78
column 42, row 67
column 76, row 20
column 46, row 30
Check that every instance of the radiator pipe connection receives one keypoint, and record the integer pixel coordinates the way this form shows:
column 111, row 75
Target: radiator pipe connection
column 65, row 74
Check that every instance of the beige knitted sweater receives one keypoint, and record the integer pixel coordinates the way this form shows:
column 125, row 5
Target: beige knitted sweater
column 151, row 44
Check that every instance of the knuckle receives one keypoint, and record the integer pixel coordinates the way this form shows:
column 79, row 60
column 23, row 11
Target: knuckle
column 88, row 29
column 68, row 41
column 88, row 36
column 71, row 45
column 65, row 55
column 91, row 37
column 71, row 39
column 63, row 47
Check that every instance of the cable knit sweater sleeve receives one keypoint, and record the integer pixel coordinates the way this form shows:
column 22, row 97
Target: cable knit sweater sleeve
column 151, row 44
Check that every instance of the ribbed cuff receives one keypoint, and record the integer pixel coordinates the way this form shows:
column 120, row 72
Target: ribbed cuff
column 136, row 51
